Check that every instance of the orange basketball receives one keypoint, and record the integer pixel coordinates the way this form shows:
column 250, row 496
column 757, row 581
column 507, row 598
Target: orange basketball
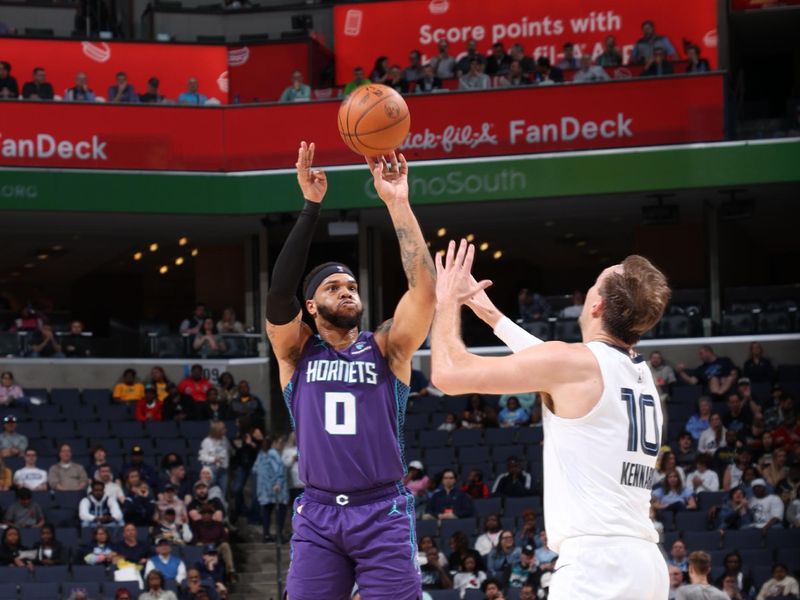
column 374, row 120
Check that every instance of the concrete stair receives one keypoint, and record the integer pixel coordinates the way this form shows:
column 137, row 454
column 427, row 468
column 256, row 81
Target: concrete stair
column 256, row 567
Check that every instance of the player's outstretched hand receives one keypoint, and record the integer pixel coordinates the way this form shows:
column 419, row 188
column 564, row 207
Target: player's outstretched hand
column 454, row 282
column 481, row 304
column 313, row 182
column 390, row 177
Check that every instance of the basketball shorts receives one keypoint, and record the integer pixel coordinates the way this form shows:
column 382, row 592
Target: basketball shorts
column 609, row 568
column 367, row 538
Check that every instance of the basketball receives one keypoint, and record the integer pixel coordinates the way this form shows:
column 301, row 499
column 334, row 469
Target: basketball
column 374, row 120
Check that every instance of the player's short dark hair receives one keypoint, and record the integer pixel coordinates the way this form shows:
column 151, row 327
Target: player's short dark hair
column 701, row 561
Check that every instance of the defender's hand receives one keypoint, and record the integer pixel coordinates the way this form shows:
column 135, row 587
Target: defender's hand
column 453, row 277
column 313, row 183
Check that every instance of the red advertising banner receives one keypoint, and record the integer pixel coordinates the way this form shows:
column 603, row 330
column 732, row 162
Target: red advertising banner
column 637, row 112
column 261, row 73
column 758, row 4
column 172, row 64
column 362, row 32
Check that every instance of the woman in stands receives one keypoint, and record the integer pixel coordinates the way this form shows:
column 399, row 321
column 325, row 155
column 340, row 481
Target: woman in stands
column 215, row 453
column 475, row 414
column 154, row 587
column 416, row 482
column 10, row 392
column 459, row 546
column 99, row 551
column 207, row 342
column 160, row 381
column 426, row 542
column 503, row 557
column 228, row 390
column 10, row 549
column 777, row 469
column 673, row 495
column 380, row 72
column 667, row 463
column 272, row 487
column 49, row 550
column 97, row 458
column 468, row 577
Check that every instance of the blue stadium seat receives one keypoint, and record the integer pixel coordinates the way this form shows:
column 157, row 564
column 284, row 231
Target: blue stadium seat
column 674, row 326
column 40, row 591
column 68, row 536
column 706, row 500
column 111, row 444
column 52, row 574
column 409, row 439
column 488, row 506
column 89, row 573
column 514, row 507
column 484, row 467
column 199, row 429
column 474, row 454
column 743, row 538
column 668, row 539
column 754, row 557
column 761, row 575
column 61, row 430
column 498, row 437
column 167, row 445
column 782, row 538
column 415, row 422
column 162, row 429
column 8, row 590
column 440, row 456
column 16, row 575
column 535, row 455
column 15, row 463
column 114, row 412
column 473, row 595
column 29, row 536
column 110, row 588
column 686, row 394
column 450, row 526
column 530, row 436
column 437, row 419
column 501, row 454
column 65, row 397
column 453, row 404
column 46, row 412
column 790, row 556
column 64, row 499
column 427, row 527
column 82, row 414
column 433, row 439
column 691, row 521
column 192, row 555
column 701, row 540
column 127, row 429
column 462, row 438
column 38, row 393
column 97, row 397
column 28, row 428
column 95, row 429
column 738, row 324
column 7, row 497
column 447, row 594
column 92, row 588
column 62, row 516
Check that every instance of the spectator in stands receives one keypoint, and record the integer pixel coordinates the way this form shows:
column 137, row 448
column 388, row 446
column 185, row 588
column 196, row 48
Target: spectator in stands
column 716, row 373
column 167, row 462
column 10, row 392
column 426, row 542
column 415, row 481
column 712, row 438
column 28, row 320
column 357, row 81
column 498, row 63
column 767, row 508
column 139, row 507
column 380, row 72
column 468, row 577
column 514, row 78
column 696, row 64
column 227, row 387
column 25, row 512
column 207, row 532
column 677, row 556
column 686, row 454
column 490, row 536
column 6, row 478
column 130, row 548
column 177, row 477
column 160, row 381
column 96, row 509
column 545, row 557
column 757, row 367
column 448, row 502
column 414, row 69
column 48, row 549
column 573, row 311
column 738, row 416
column 201, row 497
column 176, row 406
column 197, row 588
column 777, row 470
column 246, row 446
column 11, row 443
column 699, row 423
column 196, row 385
column 396, row 81
column 775, row 415
column 675, row 581
column 474, row 79
column 514, row 483
column 788, row 486
column 527, row 592
column 44, row 343
column 741, row 582
column 97, row 458
column 146, row 472
column 464, row 64
column 154, row 587
column 666, row 464
column 589, row 72
column 215, row 453
column 99, row 550
column 781, row 585
column 745, row 391
column 532, row 306
column 526, row 63
column 429, row 82
column 30, row 476
column 207, row 342
column 75, row 344
column 194, row 323
column 443, row 65
column 474, row 416
column 530, row 532
column 546, row 74
column 787, row 435
column 297, row 91
column 169, row 499
column 732, row 476
column 513, row 415
column 246, row 404
column 460, row 548
column 433, row 575
column 503, row 557
column 123, row 91
column 492, row 589
column 9, row 89
column 272, row 488
column 475, row 488
column 39, row 88
column 66, row 476
column 11, row 550
column 148, row 408
column 128, row 390
column 169, row 528
column 151, row 95
column 449, row 424
column 672, row 495
column 645, row 47
column 211, row 568
column 229, row 324
column 81, row 92
column 611, row 56
column 699, row 588
column 735, row 512
column 658, row 64
column 213, row 409
column 568, row 61
column 166, row 562
column 703, row 479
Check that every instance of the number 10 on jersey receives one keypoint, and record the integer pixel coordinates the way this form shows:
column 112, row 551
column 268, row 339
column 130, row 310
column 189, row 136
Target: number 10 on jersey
column 650, row 439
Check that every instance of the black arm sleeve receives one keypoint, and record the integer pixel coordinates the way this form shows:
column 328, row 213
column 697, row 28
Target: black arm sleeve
column 282, row 303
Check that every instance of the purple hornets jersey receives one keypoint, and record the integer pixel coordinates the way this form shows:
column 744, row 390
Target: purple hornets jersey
column 347, row 409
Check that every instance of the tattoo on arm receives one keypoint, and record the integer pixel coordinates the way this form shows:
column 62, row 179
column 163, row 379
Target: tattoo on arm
column 384, row 327
column 413, row 256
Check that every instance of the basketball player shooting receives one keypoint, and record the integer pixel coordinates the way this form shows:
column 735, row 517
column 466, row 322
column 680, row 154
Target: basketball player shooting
column 601, row 416
column 346, row 392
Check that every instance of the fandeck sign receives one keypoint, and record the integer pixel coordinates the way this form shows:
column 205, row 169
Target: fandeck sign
column 542, row 27
column 628, row 113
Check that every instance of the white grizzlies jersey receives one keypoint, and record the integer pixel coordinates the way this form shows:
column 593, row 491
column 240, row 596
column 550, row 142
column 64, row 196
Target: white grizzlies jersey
column 598, row 468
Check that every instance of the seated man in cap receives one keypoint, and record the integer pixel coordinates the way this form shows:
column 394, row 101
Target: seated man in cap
column 11, row 442
column 169, row 499
column 147, row 473
column 207, row 532
column 212, row 568
column 767, row 508
column 168, row 527
column 200, row 499
column 167, row 562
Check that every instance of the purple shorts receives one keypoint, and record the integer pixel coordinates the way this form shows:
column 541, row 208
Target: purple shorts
column 364, row 537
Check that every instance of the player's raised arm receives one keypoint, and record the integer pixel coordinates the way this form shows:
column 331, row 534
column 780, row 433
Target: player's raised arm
column 285, row 328
column 401, row 336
